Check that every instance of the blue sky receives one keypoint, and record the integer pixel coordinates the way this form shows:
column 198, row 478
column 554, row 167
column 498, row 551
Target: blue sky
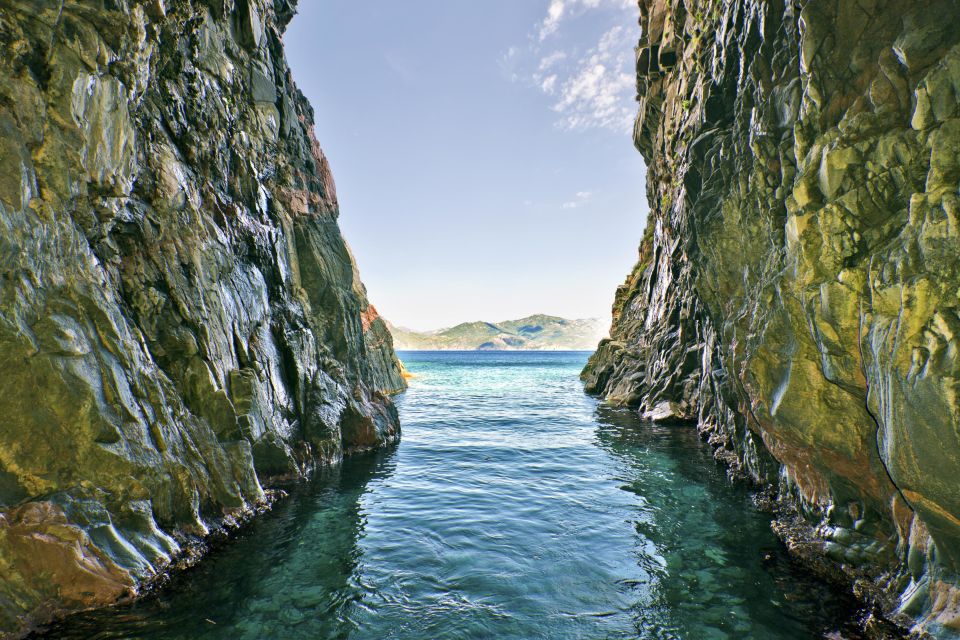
column 481, row 150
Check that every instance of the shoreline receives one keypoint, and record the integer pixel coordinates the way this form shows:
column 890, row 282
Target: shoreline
column 807, row 549
column 194, row 549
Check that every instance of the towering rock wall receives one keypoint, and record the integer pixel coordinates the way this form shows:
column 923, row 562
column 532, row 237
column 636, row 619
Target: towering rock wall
column 180, row 318
column 798, row 289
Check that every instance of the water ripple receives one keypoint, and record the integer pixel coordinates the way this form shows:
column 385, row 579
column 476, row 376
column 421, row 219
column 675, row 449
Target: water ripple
column 514, row 507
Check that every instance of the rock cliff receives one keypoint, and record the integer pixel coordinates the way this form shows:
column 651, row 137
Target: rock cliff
column 797, row 288
column 180, row 318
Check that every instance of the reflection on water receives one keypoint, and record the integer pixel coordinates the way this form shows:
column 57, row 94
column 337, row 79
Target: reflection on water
column 514, row 507
column 302, row 557
column 720, row 573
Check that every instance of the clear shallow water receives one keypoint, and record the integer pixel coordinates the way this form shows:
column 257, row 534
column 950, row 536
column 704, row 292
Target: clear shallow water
column 514, row 507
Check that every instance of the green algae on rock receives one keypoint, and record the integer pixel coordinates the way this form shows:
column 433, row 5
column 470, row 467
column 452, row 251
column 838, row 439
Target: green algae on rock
column 180, row 318
column 797, row 288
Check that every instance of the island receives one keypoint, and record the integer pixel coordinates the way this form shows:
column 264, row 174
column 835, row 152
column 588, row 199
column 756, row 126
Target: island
column 534, row 333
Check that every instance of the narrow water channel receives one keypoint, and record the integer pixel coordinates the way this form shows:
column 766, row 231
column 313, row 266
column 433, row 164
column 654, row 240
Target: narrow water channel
column 514, row 507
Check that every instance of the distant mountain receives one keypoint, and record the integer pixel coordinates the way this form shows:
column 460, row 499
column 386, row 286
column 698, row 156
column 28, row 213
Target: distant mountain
column 538, row 332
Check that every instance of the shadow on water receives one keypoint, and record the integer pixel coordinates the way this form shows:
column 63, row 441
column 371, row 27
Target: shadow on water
column 261, row 581
column 723, row 573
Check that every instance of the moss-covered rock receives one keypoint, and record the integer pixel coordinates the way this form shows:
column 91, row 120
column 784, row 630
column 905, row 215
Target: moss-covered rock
column 180, row 318
column 797, row 290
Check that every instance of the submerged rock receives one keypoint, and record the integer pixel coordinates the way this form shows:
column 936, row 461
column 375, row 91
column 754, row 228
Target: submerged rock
column 797, row 287
column 180, row 318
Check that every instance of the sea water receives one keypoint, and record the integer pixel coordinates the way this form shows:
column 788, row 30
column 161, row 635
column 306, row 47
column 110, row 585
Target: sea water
column 514, row 506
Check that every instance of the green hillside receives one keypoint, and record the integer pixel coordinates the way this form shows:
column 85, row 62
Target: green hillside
column 536, row 332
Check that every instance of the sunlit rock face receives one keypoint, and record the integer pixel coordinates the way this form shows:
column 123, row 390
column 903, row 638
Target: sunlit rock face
column 180, row 318
column 798, row 285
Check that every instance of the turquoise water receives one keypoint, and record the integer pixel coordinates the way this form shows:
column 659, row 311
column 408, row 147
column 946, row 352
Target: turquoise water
column 514, row 507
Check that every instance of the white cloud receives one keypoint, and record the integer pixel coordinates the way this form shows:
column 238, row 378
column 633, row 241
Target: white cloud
column 559, row 10
column 509, row 63
column 554, row 15
column 549, row 61
column 599, row 91
column 582, row 198
column 592, row 85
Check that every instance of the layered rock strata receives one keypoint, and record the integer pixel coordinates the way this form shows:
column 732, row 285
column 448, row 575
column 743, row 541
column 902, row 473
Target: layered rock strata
column 798, row 288
column 180, row 318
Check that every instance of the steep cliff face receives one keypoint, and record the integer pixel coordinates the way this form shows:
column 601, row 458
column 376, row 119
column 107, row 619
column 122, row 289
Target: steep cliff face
column 180, row 318
column 797, row 289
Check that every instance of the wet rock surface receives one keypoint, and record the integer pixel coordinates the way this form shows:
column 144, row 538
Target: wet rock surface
column 180, row 318
column 796, row 294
